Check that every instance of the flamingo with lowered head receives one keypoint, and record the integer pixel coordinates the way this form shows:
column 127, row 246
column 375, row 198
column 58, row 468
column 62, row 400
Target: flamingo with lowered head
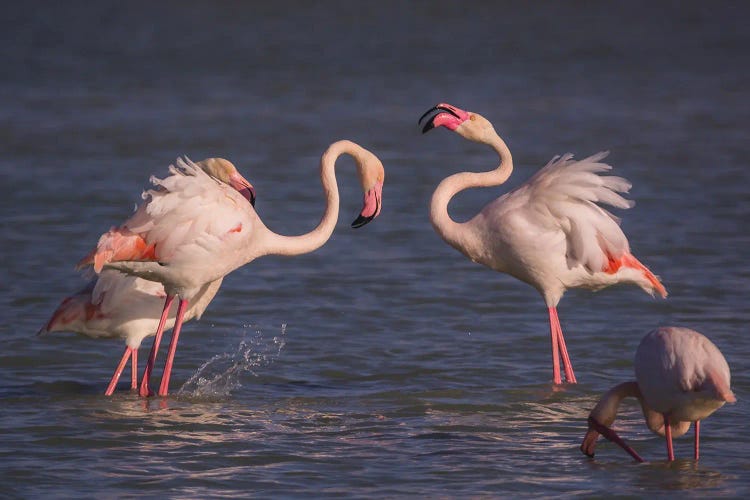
column 114, row 305
column 185, row 245
column 681, row 377
column 549, row 232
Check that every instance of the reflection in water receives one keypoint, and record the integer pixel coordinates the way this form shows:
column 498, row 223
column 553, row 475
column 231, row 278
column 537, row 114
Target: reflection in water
column 382, row 394
column 678, row 475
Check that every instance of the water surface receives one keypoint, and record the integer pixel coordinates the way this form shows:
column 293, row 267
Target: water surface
column 385, row 364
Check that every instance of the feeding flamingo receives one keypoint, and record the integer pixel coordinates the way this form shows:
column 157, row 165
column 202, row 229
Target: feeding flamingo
column 549, row 232
column 114, row 305
column 185, row 245
column 681, row 377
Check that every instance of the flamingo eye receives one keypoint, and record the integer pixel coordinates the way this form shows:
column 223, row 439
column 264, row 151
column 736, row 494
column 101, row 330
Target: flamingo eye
column 472, row 117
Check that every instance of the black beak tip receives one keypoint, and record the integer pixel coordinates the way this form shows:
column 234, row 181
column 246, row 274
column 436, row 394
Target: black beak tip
column 428, row 126
column 361, row 221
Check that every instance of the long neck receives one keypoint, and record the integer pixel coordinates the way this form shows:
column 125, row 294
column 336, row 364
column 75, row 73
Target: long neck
column 278, row 244
column 451, row 231
column 605, row 411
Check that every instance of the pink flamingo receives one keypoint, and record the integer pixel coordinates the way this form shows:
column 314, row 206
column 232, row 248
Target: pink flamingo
column 114, row 305
column 549, row 232
column 184, row 241
column 681, row 377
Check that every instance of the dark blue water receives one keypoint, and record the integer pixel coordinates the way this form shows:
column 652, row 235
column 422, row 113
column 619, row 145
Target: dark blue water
column 385, row 364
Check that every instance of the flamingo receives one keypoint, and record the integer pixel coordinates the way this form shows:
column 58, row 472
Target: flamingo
column 681, row 377
column 113, row 305
column 184, row 241
column 550, row 232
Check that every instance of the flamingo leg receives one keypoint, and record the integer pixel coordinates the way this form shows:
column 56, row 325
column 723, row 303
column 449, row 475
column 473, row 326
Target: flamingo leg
column 559, row 350
column 164, row 387
column 668, row 436
column 144, row 390
column 697, row 439
column 556, row 379
column 118, row 371
column 134, row 369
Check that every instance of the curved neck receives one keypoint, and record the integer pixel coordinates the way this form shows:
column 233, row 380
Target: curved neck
column 605, row 410
column 278, row 244
column 446, row 227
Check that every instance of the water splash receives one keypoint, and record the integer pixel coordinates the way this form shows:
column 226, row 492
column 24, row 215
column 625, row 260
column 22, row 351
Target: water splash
column 220, row 375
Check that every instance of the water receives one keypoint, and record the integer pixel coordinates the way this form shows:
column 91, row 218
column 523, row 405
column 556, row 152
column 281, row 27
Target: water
column 384, row 364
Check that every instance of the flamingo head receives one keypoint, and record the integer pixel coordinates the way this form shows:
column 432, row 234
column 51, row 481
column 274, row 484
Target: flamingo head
column 469, row 125
column 371, row 176
column 603, row 416
column 595, row 429
column 224, row 171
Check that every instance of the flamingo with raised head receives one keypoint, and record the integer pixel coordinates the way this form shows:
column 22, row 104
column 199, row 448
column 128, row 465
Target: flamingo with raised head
column 114, row 305
column 681, row 377
column 184, row 241
column 550, row 232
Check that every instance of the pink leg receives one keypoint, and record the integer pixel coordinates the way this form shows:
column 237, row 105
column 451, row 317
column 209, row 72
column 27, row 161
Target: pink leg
column 697, row 439
column 145, row 391
column 118, row 372
column 556, row 379
column 567, row 365
column 668, row 436
column 164, row 387
column 134, row 369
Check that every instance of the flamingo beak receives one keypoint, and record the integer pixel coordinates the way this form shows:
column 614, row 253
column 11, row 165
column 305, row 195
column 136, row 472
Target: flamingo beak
column 243, row 186
column 372, row 205
column 595, row 429
column 444, row 115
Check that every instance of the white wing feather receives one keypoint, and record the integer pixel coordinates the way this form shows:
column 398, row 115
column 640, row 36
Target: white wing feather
column 188, row 211
column 570, row 191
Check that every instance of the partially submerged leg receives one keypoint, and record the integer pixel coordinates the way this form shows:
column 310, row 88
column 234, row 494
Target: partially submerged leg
column 556, row 379
column 118, row 371
column 558, row 346
column 145, row 390
column 668, row 436
column 164, row 387
column 134, row 369
column 696, row 445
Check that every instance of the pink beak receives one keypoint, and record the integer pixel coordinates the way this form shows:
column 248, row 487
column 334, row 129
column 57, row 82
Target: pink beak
column 372, row 205
column 243, row 186
column 595, row 428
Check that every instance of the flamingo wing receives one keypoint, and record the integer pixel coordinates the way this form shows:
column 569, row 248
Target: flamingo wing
column 187, row 215
column 567, row 194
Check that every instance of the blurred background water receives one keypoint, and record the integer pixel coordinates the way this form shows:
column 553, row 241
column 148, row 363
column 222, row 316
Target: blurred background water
column 384, row 364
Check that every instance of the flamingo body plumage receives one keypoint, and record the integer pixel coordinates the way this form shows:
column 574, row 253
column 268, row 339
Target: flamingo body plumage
column 681, row 377
column 551, row 232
